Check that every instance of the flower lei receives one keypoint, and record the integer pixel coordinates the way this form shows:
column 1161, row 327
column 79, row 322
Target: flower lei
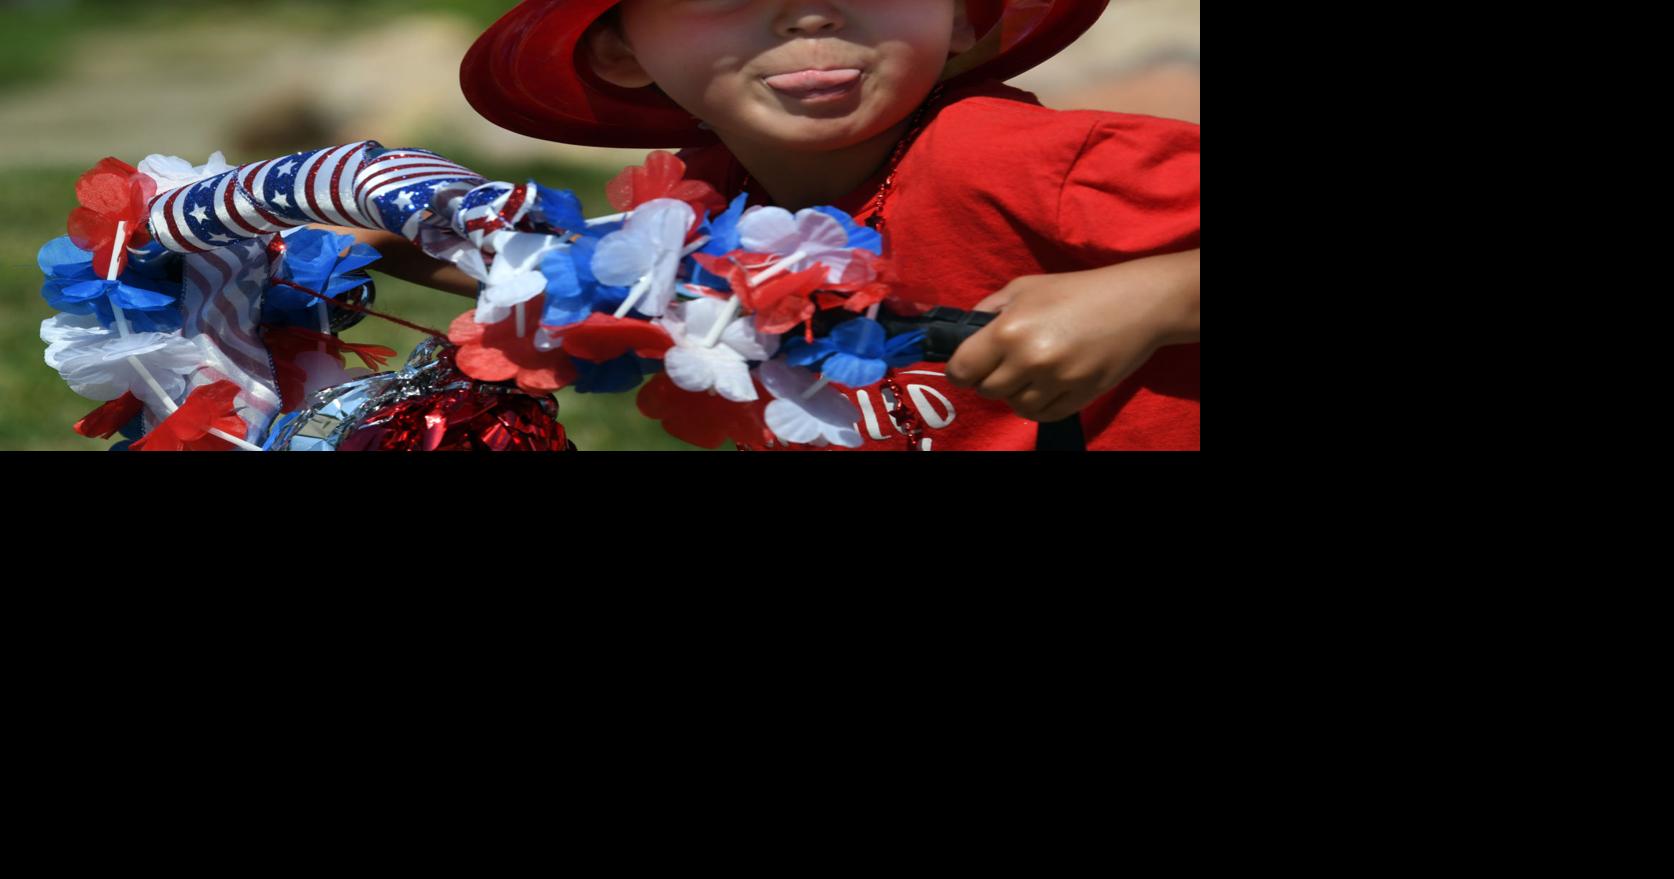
column 732, row 322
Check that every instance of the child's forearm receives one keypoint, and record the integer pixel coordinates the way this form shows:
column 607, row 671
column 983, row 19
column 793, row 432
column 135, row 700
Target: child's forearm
column 1176, row 282
column 401, row 259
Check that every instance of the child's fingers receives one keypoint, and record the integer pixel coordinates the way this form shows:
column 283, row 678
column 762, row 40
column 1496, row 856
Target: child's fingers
column 975, row 359
column 1006, row 381
column 1038, row 400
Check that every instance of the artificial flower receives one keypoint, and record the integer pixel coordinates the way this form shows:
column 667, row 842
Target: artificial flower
column 722, row 231
column 858, row 353
column 816, row 236
column 514, row 277
column 723, row 367
column 646, row 254
column 573, row 292
column 663, row 177
column 305, row 361
column 860, row 237
column 779, row 303
column 558, row 210
column 71, row 286
column 800, row 414
column 105, row 421
column 113, row 194
column 602, row 337
column 702, row 419
column 187, row 429
column 496, row 353
column 98, row 363
column 172, row 172
column 317, row 260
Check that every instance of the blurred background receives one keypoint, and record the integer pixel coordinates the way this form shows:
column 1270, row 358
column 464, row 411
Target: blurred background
column 85, row 79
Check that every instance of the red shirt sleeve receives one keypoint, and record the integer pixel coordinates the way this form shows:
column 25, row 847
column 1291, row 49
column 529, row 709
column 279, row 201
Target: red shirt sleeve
column 1133, row 190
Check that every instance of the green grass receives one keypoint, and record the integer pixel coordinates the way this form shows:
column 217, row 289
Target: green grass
column 37, row 410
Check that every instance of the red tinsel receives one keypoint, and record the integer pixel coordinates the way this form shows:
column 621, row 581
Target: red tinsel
column 475, row 419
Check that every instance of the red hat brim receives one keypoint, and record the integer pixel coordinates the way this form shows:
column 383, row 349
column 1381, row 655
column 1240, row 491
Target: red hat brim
column 523, row 73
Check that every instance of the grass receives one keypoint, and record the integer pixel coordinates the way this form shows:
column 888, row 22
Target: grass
column 37, row 410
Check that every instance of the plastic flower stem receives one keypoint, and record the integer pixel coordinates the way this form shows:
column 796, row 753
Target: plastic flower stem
column 694, row 247
column 731, row 311
column 600, row 221
column 162, row 395
column 818, row 386
column 641, row 287
column 522, row 327
column 872, row 313
column 113, row 271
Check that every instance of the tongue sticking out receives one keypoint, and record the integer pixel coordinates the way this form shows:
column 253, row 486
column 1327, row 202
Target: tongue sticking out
column 808, row 81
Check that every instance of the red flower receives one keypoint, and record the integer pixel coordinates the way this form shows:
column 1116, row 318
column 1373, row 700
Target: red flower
column 705, row 419
column 286, row 343
column 105, row 421
column 602, row 337
column 663, row 176
column 188, row 429
column 779, row 304
column 494, row 353
column 112, row 192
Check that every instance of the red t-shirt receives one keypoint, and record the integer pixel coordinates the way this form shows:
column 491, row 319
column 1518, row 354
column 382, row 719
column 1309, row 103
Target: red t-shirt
column 996, row 187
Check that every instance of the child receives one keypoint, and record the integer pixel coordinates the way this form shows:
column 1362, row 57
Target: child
column 1081, row 228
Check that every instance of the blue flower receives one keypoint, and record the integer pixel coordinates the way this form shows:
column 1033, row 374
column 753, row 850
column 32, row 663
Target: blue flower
column 612, row 376
column 857, row 354
column 559, row 209
column 572, row 291
column 71, row 286
column 316, row 259
column 723, row 239
column 860, row 237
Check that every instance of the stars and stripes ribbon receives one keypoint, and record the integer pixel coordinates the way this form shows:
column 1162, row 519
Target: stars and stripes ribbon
column 363, row 185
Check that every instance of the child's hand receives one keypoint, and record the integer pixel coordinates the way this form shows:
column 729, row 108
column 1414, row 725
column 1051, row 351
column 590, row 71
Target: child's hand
column 1062, row 340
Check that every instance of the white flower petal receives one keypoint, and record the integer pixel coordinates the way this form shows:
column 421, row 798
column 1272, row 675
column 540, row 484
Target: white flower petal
column 622, row 258
column 689, row 369
column 732, row 381
column 741, row 336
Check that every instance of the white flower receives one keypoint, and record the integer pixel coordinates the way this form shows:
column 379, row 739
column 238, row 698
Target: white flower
column 645, row 253
column 173, row 172
column 515, row 277
column 819, row 238
column 724, row 367
column 824, row 418
column 94, row 361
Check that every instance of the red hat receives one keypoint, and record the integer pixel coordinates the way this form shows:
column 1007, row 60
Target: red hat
column 524, row 74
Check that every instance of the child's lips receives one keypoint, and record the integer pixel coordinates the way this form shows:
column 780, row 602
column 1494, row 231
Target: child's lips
column 813, row 83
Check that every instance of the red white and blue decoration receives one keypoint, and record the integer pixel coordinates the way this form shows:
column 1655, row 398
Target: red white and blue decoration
column 201, row 306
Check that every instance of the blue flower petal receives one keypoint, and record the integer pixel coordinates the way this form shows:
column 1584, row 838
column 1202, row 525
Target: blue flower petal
column 905, row 349
column 854, row 372
column 860, row 237
column 861, row 337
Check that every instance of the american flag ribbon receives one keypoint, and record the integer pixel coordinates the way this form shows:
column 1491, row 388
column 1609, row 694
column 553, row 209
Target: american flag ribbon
column 363, row 185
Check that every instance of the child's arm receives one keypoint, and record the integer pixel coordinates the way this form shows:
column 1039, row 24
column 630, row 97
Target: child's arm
column 402, row 259
column 1062, row 340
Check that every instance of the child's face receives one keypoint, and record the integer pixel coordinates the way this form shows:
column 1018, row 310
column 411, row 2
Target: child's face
column 726, row 62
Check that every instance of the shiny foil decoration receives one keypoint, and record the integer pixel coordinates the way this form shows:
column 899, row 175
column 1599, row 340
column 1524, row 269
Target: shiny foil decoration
column 428, row 406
